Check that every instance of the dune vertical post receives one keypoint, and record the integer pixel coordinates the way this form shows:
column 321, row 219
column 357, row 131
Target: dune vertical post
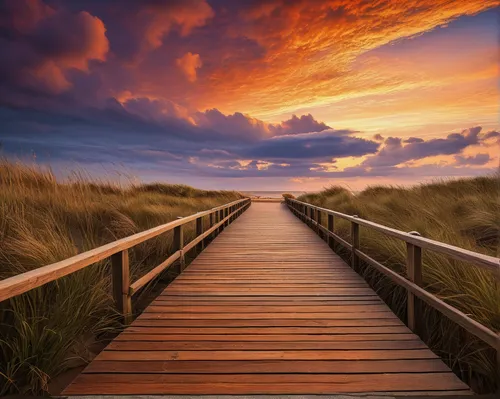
column 414, row 271
column 221, row 216
column 330, row 226
column 318, row 226
column 226, row 214
column 210, row 224
column 178, row 246
column 216, row 220
column 355, row 243
column 121, row 284
column 199, row 232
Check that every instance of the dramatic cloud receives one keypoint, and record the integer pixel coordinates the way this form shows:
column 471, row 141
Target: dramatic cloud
column 188, row 64
column 310, row 45
column 314, row 146
column 394, row 153
column 304, row 124
column 40, row 44
column 139, row 27
column 478, row 159
column 250, row 129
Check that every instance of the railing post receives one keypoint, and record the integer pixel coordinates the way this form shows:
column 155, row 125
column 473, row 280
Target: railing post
column 414, row 272
column 355, row 243
column 226, row 214
column 331, row 241
column 211, row 222
column 318, row 226
column 199, row 232
column 121, row 284
column 178, row 246
column 221, row 216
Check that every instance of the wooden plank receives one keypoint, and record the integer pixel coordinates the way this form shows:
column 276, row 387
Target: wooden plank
column 355, row 324
column 135, row 345
column 268, row 291
column 269, row 366
column 291, row 315
column 267, row 355
column 269, row 299
column 219, row 384
column 252, row 304
column 159, row 308
column 193, row 334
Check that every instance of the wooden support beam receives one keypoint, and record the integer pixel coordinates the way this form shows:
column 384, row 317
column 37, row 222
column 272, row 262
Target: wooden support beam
column 179, row 246
column 414, row 273
column 210, row 225
column 199, row 231
column 221, row 216
column 318, row 220
column 121, row 283
column 355, row 244
column 331, row 226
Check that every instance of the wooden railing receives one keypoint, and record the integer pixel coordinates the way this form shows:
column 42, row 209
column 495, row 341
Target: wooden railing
column 312, row 215
column 123, row 290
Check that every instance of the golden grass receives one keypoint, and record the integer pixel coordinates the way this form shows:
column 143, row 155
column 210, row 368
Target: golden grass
column 52, row 328
column 464, row 213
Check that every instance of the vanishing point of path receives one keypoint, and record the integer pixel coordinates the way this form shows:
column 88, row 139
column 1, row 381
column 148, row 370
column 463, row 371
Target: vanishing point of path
column 267, row 308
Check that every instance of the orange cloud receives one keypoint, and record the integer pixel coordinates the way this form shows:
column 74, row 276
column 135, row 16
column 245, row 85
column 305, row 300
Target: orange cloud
column 45, row 43
column 310, row 48
column 186, row 14
column 188, row 64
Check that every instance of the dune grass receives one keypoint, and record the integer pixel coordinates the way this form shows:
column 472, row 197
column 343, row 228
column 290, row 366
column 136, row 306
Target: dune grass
column 53, row 328
column 464, row 213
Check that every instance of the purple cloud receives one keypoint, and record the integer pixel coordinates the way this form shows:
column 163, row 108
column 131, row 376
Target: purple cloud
column 479, row 159
column 395, row 153
column 294, row 125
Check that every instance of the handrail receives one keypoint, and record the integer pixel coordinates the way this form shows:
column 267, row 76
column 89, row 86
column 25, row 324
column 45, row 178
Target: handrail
column 312, row 214
column 118, row 251
column 484, row 261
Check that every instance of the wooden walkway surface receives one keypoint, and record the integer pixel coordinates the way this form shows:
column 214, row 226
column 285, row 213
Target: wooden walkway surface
column 267, row 308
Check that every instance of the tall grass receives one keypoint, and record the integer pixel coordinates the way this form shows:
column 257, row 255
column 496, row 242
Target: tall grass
column 464, row 213
column 54, row 327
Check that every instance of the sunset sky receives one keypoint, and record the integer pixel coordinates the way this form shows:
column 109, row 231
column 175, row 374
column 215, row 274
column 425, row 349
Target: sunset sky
column 248, row 95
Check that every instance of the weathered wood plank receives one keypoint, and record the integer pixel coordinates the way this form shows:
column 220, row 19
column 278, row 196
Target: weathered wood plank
column 267, row 355
column 219, row 384
column 276, row 334
column 269, row 366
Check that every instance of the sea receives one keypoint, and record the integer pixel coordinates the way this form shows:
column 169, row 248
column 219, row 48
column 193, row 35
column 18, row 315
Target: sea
column 272, row 194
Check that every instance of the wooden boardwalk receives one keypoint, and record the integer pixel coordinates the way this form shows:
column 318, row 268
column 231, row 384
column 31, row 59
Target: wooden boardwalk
column 267, row 308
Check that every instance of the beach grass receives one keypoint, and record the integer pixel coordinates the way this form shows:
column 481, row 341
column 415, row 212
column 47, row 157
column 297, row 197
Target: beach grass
column 464, row 213
column 42, row 220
